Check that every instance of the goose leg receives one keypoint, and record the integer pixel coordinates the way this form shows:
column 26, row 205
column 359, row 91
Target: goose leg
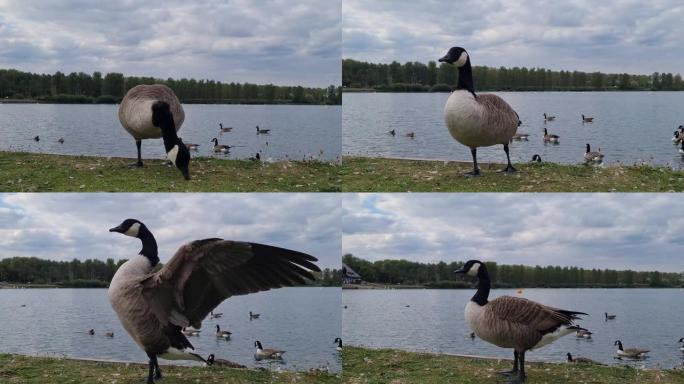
column 139, row 164
column 476, row 170
column 509, row 168
column 158, row 374
column 515, row 366
column 152, row 364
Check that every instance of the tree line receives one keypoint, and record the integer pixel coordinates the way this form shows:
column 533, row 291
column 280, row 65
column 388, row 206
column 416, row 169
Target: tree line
column 93, row 272
column 419, row 77
column 110, row 88
column 441, row 275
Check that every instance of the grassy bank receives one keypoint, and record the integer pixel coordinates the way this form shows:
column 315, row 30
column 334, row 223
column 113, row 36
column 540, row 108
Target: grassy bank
column 31, row 172
column 361, row 174
column 362, row 366
column 28, row 370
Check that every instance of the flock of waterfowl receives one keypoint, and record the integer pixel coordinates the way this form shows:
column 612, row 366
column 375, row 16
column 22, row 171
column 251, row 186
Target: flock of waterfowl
column 523, row 325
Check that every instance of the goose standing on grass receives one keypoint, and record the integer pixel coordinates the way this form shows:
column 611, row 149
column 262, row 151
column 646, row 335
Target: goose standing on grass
column 631, row 353
column 580, row 360
column 222, row 334
column 176, row 151
column 550, row 138
column 211, row 360
column 154, row 306
column 513, row 322
column 477, row 120
column 223, row 129
column 253, row 316
column 609, row 317
column 592, row 157
column 266, row 353
column 338, row 341
column 549, row 118
column 587, row 119
column 262, row 131
column 220, row 148
column 135, row 113
column 536, row 158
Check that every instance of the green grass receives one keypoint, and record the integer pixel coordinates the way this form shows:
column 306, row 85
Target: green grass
column 32, row 172
column 15, row 369
column 361, row 174
column 366, row 366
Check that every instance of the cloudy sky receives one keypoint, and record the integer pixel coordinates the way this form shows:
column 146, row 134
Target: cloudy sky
column 631, row 36
column 66, row 226
column 286, row 42
column 619, row 231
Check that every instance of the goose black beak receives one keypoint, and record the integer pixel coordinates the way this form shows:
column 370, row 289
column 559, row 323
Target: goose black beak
column 116, row 229
column 460, row 271
column 444, row 59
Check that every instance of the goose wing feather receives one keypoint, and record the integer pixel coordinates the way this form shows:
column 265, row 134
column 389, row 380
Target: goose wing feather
column 203, row 273
column 518, row 310
column 502, row 116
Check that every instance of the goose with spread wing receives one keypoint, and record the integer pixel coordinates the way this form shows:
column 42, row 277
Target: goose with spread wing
column 154, row 307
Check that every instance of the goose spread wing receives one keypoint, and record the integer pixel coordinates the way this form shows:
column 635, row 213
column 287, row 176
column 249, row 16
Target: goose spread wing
column 203, row 273
column 542, row 318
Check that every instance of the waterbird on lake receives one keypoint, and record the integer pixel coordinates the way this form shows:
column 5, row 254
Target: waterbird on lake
column 549, row 118
column 220, row 148
column 678, row 135
column 477, row 120
column 472, row 335
column 536, row 158
column 513, row 322
column 91, row 332
column 587, row 119
column 154, row 306
column 190, row 332
column 592, row 156
column 632, row 353
column 253, row 316
column 550, row 138
column 267, row 353
column 37, row 138
column 224, row 129
column 392, row 132
column 411, row 134
column 609, row 317
column 222, row 334
column 213, row 315
column 109, row 334
column 176, row 151
column 583, row 334
column 262, row 131
column 136, row 113
column 257, row 157
column 520, row 137
column 60, row 140
column 681, row 149
column 339, row 344
column 580, row 360
column 211, row 360
column 681, row 341
column 192, row 147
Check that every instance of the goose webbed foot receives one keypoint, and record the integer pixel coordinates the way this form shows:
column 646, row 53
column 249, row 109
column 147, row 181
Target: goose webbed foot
column 513, row 372
column 137, row 164
column 474, row 173
column 518, row 379
column 509, row 169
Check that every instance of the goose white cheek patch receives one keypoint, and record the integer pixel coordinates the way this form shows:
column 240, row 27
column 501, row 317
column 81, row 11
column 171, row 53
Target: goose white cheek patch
column 473, row 270
column 172, row 154
column 462, row 59
column 133, row 230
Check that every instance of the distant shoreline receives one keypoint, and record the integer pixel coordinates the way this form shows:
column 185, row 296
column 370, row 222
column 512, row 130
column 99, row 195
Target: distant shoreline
column 371, row 90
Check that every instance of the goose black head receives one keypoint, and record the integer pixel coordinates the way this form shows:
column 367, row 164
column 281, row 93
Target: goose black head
column 588, row 148
column 257, row 344
column 210, row 359
column 618, row 343
column 681, row 340
column 129, row 227
column 472, row 268
column 338, row 341
column 182, row 160
column 536, row 158
column 456, row 55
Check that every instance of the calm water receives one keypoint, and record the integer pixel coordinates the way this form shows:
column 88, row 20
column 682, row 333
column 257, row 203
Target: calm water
column 646, row 318
column 296, row 131
column 629, row 126
column 302, row 321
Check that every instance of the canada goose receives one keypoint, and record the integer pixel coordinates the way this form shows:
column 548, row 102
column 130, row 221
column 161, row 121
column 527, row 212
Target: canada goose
column 153, row 307
column 536, row 158
column 109, row 334
column 549, row 118
column 224, row 129
column 176, row 151
column 583, row 334
column 580, row 360
column 192, row 147
column 610, row 317
column 681, row 149
column 190, row 332
column 411, row 134
column 211, row 360
column 220, row 148
column 268, row 353
column 477, row 120
column 222, row 334
column 91, row 332
column 550, row 138
column 37, row 138
column 257, row 157
column 682, row 342
column 677, row 136
column 339, row 344
column 262, row 131
column 253, row 316
column 60, row 140
column 592, row 157
column 135, row 113
column 472, row 336
column 213, row 315
column 632, row 353
column 392, row 132
column 587, row 119
column 520, row 136
column 513, row 322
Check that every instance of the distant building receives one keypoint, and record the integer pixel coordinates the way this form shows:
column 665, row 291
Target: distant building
column 349, row 276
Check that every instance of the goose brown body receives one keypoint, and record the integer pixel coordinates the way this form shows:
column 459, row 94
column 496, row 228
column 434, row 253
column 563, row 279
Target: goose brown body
column 480, row 121
column 135, row 110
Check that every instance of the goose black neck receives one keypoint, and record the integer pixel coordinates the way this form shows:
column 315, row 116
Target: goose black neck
column 149, row 248
column 483, row 286
column 465, row 78
column 168, row 128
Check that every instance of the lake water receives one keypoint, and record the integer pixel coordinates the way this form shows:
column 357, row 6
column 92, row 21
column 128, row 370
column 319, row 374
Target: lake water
column 646, row 318
column 296, row 131
column 629, row 127
column 302, row 321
